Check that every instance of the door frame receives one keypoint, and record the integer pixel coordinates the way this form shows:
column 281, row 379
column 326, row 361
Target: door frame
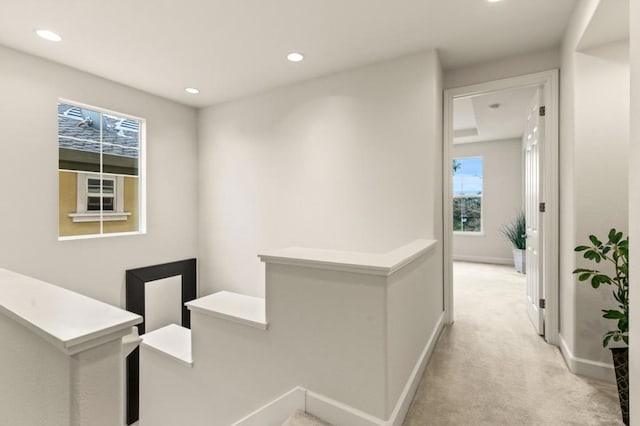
column 548, row 80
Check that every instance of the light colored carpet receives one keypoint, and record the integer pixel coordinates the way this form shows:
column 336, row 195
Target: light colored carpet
column 300, row 418
column 490, row 367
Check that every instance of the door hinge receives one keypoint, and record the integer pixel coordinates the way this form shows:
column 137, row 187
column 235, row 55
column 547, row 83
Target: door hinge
column 543, row 111
column 542, row 303
column 543, row 207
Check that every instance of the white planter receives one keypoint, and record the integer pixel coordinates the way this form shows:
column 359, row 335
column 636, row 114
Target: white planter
column 520, row 260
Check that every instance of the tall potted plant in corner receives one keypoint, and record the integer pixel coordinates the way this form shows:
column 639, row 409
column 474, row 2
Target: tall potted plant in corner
column 516, row 232
column 616, row 252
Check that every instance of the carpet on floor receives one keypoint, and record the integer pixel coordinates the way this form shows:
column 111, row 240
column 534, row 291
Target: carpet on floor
column 491, row 368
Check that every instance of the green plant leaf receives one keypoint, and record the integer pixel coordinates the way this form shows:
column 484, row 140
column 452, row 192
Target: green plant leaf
column 616, row 253
column 611, row 314
column 623, row 324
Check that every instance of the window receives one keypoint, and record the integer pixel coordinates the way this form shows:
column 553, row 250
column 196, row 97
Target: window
column 100, row 192
column 99, row 158
column 467, row 195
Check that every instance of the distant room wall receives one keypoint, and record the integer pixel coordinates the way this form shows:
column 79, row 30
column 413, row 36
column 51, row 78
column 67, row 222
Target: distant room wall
column 502, row 199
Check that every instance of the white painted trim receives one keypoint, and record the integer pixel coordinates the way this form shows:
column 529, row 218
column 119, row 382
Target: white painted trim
column 469, row 233
column 48, row 310
column 234, row 307
column 96, row 216
column 82, row 193
column 171, row 341
column 338, row 413
column 406, row 397
column 484, row 259
column 585, row 367
column 100, row 109
column 277, row 411
column 108, row 235
column 549, row 81
column 383, row 264
column 447, row 205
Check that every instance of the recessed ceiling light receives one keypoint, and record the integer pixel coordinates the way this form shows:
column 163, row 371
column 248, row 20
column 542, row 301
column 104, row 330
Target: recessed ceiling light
column 192, row 90
column 493, row 1
column 48, row 35
column 295, row 57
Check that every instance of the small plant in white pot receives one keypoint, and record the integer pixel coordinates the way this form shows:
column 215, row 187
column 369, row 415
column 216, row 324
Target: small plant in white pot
column 516, row 232
column 616, row 253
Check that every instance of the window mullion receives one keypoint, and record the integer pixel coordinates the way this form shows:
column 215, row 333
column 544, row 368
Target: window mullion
column 101, row 177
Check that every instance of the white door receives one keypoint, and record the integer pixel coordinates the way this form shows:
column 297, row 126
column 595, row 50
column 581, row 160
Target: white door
column 533, row 141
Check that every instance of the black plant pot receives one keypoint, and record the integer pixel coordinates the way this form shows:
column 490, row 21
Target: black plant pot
column 621, row 366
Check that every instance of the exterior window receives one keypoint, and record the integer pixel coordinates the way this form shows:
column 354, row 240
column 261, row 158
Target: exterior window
column 467, row 195
column 99, row 157
column 100, row 195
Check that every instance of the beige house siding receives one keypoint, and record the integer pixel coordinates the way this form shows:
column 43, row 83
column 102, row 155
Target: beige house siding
column 68, row 189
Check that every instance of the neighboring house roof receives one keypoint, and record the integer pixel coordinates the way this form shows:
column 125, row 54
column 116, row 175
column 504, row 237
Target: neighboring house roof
column 119, row 136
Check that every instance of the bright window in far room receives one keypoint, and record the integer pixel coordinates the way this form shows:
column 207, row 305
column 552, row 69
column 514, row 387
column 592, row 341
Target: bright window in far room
column 100, row 173
column 467, row 195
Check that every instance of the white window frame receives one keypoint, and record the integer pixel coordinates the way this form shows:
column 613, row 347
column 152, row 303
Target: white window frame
column 479, row 233
column 82, row 213
column 141, row 180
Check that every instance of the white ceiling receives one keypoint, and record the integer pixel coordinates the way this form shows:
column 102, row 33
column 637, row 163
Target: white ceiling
column 490, row 124
column 231, row 48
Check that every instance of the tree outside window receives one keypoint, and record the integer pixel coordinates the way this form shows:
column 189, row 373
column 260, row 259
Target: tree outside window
column 467, row 194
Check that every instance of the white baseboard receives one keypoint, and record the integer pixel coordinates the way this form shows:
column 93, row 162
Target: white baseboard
column 337, row 413
column 278, row 411
column 406, row 397
column 483, row 259
column 585, row 367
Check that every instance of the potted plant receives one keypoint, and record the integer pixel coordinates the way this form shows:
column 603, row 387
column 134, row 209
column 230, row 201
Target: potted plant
column 516, row 232
column 616, row 252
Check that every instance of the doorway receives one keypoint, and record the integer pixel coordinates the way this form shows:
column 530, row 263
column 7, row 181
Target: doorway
column 471, row 213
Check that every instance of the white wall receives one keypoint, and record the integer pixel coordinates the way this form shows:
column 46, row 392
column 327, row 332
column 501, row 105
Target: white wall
column 26, row 362
column 602, row 143
column 502, row 199
column 579, row 21
column 29, row 153
column 634, row 211
column 348, row 162
column 414, row 309
column 594, row 144
column 526, row 63
column 354, row 337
